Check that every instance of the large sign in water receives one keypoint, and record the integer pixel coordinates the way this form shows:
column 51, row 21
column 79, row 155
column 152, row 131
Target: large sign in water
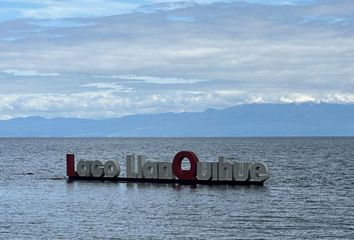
column 139, row 169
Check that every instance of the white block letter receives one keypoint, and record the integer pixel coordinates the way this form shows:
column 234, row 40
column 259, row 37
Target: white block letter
column 130, row 167
column 165, row 170
column 259, row 172
column 111, row 169
column 241, row 171
column 96, row 169
column 225, row 170
column 83, row 168
column 150, row 169
column 204, row 170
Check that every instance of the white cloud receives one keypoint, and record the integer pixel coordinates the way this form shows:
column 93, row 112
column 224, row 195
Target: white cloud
column 144, row 63
column 151, row 79
column 28, row 73
column 298, row 98
column 108, row 104
column 113, row 86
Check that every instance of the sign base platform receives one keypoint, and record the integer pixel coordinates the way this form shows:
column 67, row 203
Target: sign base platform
column 168, row 181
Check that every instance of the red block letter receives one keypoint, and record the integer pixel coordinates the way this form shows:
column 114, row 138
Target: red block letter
column 177, row 168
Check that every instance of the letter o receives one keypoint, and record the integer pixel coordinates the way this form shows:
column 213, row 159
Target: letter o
column 111, row 169
column 177, row 168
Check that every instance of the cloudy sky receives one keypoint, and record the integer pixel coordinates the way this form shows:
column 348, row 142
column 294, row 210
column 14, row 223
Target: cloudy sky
column 108, row 58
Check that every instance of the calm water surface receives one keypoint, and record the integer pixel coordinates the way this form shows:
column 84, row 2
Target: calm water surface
column 308, row 196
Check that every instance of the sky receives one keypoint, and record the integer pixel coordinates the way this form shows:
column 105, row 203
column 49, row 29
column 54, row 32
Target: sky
column 106, row 59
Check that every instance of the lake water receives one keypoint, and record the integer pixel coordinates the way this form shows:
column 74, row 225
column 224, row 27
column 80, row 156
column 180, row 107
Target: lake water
column 310, row 193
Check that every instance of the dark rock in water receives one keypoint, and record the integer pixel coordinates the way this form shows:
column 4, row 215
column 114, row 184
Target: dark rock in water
column 58, row 178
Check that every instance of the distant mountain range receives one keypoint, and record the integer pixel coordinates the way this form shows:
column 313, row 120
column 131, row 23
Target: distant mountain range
column 243, row 120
